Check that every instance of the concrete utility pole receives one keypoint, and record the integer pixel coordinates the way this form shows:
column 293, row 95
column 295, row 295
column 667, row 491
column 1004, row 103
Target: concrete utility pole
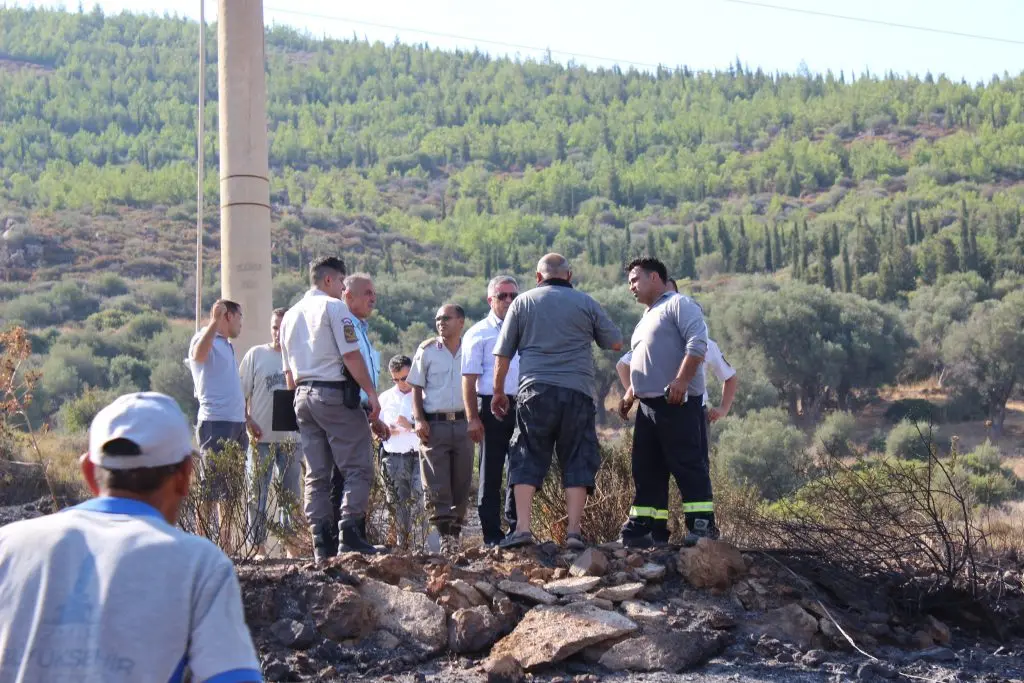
column 244, row 168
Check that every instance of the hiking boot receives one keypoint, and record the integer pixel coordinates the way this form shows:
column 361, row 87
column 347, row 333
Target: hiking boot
column 698, row 528
column 321, row 541
column 353, row 540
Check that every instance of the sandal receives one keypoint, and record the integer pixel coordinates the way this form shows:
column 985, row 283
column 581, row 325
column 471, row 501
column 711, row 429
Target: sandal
column 517, row 540
column 575, row 541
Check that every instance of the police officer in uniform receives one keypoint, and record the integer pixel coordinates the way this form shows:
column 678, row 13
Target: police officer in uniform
column 319, row 343
column 492, row 433
column 670, row 436
column 446, row 452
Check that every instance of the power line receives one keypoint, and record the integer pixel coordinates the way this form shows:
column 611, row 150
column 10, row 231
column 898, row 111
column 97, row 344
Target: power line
column 439, row 34
column 877, row 22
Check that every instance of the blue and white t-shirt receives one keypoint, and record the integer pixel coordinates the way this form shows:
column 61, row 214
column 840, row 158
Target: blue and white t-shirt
column 109, row 592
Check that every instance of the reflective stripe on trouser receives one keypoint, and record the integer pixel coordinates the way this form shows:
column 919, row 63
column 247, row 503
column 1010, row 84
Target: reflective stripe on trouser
column 671, row 440
column 636, row 512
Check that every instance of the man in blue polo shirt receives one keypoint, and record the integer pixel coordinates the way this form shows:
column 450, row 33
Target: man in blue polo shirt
column 111, row 590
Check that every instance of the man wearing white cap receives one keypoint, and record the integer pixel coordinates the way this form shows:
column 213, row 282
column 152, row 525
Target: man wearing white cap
column 110, row 590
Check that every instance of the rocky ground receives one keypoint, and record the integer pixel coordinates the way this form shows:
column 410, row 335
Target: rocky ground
column 708, row 613
column 607, row 614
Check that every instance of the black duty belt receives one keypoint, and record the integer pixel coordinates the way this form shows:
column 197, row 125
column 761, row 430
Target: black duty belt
column 319, row 384
column 454, row 416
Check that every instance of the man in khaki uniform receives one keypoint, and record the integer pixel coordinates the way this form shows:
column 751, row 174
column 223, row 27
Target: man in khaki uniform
column 446, row 451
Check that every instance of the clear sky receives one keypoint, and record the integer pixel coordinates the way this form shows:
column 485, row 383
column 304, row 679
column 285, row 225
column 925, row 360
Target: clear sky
column 701, row 34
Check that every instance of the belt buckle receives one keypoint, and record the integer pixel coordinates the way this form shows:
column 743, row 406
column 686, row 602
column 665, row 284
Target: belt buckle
column 450, row 417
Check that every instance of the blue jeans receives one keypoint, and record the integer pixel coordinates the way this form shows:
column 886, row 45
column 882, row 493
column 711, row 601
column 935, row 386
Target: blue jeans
column 259, row 474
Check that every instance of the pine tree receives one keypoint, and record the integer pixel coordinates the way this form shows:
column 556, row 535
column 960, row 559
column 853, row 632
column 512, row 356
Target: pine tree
column 825, row 262
column 724, row 243
column 769, row 264
column 844, row 254
column 777, row 257
column 687, row 265
column 707, row 246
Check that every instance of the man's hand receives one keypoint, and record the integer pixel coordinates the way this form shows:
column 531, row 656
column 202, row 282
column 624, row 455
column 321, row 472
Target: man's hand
column 374, row 407
column 499, row 405
column 676, row 391
column 404, row 423
column 380, row 429
column 716, row 414
column 423, row 430
column 626, row 403
column 476, row 430
column 254, row 429
column 218, row 312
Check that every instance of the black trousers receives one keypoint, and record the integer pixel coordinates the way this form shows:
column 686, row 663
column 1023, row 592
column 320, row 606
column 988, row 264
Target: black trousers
column 493, row 458
column 669, row 440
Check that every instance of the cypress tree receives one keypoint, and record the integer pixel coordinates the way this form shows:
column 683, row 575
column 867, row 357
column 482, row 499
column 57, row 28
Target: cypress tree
column 777, row 257
column 769, row 263
column 825, row 262
column 708, row 245
column 696, row 242
column 844, row 254
column 724, row 243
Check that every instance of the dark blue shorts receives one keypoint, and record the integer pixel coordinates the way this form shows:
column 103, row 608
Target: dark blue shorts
column 551, row 420
column 213, row 435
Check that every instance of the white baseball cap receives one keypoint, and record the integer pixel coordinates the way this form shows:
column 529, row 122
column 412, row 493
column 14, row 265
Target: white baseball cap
column 152, row 421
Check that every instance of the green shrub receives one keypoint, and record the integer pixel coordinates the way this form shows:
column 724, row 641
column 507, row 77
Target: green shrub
column 129, row 374
column 108, row 320
column 915, row 410
column 763, row 450
column 991, row 482
column 146, row 326
column 109, row 284
column 834, row 435
column 76, row 415
column 908, row 441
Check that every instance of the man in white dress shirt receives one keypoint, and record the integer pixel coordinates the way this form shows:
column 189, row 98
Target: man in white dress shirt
column 400, row 453
column 492, row 433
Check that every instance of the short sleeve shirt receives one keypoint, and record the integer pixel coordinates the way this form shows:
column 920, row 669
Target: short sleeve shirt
column 109, row 591
column 478, row 357
column 315, row 333
column 714, row 360
column 553, row 328
column 216, row 381
column 262, row 375
column 371, row 356
column 438, row 372
column 395, row 404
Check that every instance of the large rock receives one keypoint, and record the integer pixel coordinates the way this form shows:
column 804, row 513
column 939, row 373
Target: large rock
column 296, row 635
column 792, row 623
column 471, row 594
column 644, row 614
column 340, row 612
column 551, row 634
column 651, row 571
column 670, row 651
column 528, row 591
column 503, row 670
column 591, row 562
column 573, row 585
column 408, row 615
column 471, row 630
column 626, row 591
column 711, row 564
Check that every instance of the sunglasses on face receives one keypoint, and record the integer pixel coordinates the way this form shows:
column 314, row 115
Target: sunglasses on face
column 403, row 378
column 506, row 296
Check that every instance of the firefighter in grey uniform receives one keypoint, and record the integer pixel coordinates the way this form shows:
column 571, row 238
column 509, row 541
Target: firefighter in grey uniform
column 446, row 451
column 670, row 436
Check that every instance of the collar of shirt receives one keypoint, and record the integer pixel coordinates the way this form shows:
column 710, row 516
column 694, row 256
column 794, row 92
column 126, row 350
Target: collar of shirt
column 317, row 292
column 494, row 320
column 555, row 282
column 119, row 506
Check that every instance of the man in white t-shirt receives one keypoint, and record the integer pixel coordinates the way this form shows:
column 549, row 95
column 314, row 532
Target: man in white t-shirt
column 111, row 590
column 262, row 374
column 401, row 456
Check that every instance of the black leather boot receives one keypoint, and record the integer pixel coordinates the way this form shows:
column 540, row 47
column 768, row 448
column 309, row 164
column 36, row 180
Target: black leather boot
column 700, row 525
column 322, row 541
column 353, row 540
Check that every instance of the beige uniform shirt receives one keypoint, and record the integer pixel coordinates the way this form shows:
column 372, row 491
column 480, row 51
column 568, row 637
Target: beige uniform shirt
column 439, row 373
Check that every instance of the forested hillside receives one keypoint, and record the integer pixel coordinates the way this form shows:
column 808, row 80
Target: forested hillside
column 844, row 231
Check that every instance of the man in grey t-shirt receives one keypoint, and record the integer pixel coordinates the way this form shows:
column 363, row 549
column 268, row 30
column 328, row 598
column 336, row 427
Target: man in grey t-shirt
column 670, row 436
column 111, row 590
column 552, row 327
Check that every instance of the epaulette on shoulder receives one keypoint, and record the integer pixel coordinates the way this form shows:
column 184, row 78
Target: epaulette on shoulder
column 427, row 342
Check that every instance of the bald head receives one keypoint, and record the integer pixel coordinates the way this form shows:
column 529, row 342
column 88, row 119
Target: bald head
column 553, row 266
